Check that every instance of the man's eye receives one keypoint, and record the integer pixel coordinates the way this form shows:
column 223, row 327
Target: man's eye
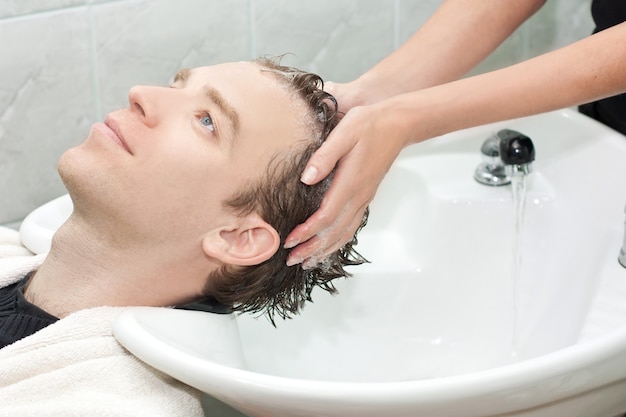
column 207, row 121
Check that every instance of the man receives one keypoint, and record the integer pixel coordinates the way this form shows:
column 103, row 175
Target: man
column 187, row 193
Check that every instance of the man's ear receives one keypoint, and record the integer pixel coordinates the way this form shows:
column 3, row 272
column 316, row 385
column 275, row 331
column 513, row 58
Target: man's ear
column 249, row 242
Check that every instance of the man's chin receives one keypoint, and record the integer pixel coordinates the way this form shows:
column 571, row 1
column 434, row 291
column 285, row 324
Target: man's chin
column 78, row 176
column 68, row 170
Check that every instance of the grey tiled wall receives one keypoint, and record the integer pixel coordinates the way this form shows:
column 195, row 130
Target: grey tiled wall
column 65, row 63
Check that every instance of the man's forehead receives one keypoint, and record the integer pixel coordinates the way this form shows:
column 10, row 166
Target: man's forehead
column 230, row 70
column 241, row 81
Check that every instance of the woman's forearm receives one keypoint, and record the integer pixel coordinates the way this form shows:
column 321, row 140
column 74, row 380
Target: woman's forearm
column 585, row 71
column 458, row 36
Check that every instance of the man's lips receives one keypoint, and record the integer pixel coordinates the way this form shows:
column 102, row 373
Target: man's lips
column 114, row 132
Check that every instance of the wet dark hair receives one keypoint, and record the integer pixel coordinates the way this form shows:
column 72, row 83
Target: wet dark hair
column 283, row 201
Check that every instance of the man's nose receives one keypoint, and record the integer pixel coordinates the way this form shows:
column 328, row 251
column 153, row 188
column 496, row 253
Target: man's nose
column 143, row 102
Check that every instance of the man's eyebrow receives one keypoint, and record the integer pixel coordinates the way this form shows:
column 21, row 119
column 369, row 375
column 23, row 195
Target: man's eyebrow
column 182, row 75
column 225, row 107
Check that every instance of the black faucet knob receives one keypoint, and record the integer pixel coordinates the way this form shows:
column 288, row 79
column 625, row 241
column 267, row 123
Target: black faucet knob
column 515, row 148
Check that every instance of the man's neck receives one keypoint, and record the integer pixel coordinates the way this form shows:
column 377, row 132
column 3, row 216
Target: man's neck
column 85, row 270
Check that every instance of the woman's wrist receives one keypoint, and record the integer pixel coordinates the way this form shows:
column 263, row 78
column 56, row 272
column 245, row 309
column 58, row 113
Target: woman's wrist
column 397, row 121
column 370, row 88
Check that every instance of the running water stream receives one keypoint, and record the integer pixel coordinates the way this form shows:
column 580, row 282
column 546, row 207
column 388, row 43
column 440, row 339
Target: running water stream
column 518, row 188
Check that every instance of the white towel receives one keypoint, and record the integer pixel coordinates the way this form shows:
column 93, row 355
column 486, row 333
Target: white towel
column 15, row 260
column 76, row 367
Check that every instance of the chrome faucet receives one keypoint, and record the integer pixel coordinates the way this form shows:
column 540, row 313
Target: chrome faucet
column 622, row 253
column 505, row 154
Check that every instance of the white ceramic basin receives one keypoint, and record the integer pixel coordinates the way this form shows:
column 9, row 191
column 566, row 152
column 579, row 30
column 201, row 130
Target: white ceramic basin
column 440, row 324
column 39, row 226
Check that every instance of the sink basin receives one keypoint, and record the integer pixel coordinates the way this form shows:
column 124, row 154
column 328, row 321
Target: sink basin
column 460, row 312
column 39, row 226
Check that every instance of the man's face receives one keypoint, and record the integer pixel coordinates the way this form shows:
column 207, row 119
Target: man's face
column 162, row 168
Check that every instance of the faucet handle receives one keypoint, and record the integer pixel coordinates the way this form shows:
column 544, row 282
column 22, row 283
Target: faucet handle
column 516, row 151
column 515, row 147
column 506, row 153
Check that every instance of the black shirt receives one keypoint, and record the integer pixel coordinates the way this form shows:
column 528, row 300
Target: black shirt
column 607, row 13
column 610, row 111
column 18, row 317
